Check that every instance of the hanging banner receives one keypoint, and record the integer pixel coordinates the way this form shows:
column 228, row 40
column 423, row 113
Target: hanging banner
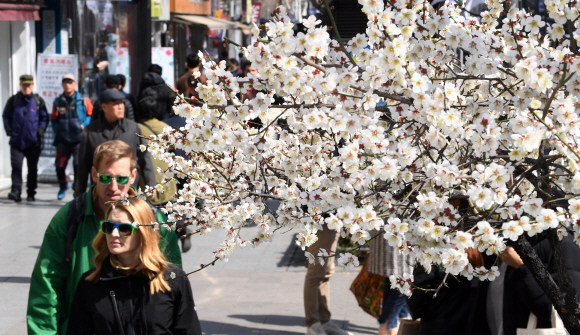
column 256, row 9
column 248, row 10
column 48, row 31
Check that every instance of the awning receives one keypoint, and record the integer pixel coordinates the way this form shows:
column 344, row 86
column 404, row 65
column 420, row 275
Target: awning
column 210, row 22
column 19, row 12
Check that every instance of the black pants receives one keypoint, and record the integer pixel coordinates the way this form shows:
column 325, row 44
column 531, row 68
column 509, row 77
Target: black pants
column 16, row 157
column 63, row 153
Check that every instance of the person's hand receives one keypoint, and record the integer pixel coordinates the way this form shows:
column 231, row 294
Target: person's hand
column 82, row 127
column 511, row 258
column 152, row 197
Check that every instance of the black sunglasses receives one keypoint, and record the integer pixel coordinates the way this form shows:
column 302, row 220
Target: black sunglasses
column 67, row 81
column 125, row 229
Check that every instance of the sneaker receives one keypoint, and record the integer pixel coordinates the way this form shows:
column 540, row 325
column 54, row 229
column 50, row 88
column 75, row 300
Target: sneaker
column 30, row 198
column 61, row 194
column 332, row 329
column 14, row 196
column 316, row 329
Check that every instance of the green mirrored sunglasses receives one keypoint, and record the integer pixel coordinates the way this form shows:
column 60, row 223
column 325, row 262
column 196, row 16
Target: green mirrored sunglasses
column 106, row 179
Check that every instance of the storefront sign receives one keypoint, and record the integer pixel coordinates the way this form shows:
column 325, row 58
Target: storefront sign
column 162, row 10
column 49, row 72
column 164, row 58
column 48, row 32
column 156, row 9
column 256, row 9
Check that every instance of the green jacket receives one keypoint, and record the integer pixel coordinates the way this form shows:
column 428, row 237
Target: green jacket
column 52, row 287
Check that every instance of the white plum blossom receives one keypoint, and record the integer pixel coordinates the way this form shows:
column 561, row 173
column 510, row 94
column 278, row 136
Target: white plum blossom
column 392, row 131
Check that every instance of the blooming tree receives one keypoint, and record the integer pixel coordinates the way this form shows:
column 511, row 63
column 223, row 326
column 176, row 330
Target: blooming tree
column 389, row 131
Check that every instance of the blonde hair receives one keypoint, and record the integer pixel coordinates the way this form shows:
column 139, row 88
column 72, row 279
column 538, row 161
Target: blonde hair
column 112, row 151
column 154, row 262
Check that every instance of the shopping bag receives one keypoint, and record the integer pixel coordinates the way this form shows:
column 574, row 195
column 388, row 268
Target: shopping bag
column 409, row 327
column 557, row 326
column 368, row 291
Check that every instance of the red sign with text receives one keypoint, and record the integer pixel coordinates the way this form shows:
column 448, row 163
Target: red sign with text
column 256, row 8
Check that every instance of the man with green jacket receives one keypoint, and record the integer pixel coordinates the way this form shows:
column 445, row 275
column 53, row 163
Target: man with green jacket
column 59, row 267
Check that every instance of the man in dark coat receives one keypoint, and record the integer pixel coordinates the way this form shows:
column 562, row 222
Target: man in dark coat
column 153, row 85
column 113, row 126
column 113, row 82
column 25, row 119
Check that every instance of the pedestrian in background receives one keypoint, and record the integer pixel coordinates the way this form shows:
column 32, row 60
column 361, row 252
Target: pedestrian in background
column 385, row 261
column 25, row 119
column 317, row 287
column 112, row 126
column 150, row 125
column 71, row 113
column 133, row 275
column 66, row 253
column 153, row 85
column 235, row 67
column 184, row 84
column 113, row 82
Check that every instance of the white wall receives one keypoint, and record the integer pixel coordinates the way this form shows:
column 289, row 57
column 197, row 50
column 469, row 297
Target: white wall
column 17, row 57
column 5, row 92
column 23, row 50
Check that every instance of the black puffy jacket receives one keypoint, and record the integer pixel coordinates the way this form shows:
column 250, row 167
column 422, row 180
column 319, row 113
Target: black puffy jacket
column 153, row 85
column 448, row 312
column 140, row 312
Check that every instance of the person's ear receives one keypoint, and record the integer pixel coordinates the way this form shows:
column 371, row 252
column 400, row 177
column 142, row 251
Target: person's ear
column 94, row 175
column 133, row 176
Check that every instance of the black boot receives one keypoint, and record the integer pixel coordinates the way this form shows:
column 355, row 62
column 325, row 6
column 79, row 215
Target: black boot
column 14, row 195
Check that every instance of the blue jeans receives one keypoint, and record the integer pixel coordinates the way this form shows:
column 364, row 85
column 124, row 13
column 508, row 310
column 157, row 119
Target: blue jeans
column 394, row 306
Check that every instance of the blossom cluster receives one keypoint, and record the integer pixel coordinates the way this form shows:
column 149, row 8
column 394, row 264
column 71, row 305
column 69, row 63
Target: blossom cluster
column 444, row 131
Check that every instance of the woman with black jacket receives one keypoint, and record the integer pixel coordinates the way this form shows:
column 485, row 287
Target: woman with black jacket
column 133, row 289
column 447, row 312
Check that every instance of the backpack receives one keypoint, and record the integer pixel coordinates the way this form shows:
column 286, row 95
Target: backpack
column 76, row 215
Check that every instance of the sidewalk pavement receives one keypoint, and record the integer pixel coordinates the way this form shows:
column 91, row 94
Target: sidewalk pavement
column 259, row 291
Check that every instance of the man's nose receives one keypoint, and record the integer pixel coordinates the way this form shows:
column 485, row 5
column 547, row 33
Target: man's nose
column 114, row 185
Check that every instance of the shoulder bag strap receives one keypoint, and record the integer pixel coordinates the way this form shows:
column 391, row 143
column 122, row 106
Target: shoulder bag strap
column 146, row 125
